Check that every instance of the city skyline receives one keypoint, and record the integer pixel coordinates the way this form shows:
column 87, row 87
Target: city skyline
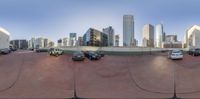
column 56, row 19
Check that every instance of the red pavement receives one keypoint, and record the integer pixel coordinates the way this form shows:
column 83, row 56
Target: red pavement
column 38, row 75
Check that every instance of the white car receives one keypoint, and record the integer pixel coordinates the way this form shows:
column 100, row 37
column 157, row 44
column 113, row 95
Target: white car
column 55, row 51
column 175, row 54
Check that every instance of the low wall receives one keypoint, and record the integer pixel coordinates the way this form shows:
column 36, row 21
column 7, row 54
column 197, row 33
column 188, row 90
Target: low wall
column 120, row 50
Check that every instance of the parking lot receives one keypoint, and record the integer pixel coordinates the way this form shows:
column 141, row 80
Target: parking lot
column 25, row 74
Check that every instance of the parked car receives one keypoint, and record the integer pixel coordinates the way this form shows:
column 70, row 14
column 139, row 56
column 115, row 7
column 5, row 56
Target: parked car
column 92, row 55
column 78, row 56
column 5, row 51
column 55, row 51
column 41, row 50
column 175, row 54
column 194, row 51
column 101, row 54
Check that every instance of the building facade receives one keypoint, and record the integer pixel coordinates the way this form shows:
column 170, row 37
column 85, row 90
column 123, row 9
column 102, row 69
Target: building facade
column 159, row 36
column 128, row 31
column 110, row 32
column 66, row 41
column 193, row 37
column 59, row 43
column 4, row 38
column 172, row 44
column 72, row 39
column 80, row 41
column 171, row 38
column 95, row 37
column 148, row 35
column 19, row 44
column 117, row 40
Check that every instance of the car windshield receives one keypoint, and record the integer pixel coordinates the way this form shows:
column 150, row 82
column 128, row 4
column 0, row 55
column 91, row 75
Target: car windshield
column 78, row 53
column 100, row 49
column 177, row 51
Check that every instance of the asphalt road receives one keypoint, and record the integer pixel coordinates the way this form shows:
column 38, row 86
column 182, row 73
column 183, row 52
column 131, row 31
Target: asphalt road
column 25, row 74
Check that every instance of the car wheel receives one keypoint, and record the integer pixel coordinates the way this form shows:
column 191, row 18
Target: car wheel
column 90, row 58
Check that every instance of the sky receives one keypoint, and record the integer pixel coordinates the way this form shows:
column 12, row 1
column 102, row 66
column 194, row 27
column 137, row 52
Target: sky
column 55, row 19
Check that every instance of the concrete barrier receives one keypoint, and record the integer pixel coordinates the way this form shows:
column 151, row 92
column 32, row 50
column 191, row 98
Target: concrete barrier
column 120, row 50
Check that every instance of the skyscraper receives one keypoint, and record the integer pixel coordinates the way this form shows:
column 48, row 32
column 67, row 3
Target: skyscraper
column 110, row 32
column 148, row 35
column 128, row 31
column 159, row 35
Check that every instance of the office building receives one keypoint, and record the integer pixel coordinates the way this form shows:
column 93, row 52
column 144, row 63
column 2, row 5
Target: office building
column 51, row 44
column 171, row 38
column 116, row 40
column 66, row 41
column 172, row 44
column 19, row 44
column 59, row 43
column 95, row 37
column 193, row 36
column 148, row 35
column 4, row 38
column 80, row 41
column 31, row 43
column 159, row 36
column 72, row 39
column 128, row 31
column 39, row 43
column 110, row 32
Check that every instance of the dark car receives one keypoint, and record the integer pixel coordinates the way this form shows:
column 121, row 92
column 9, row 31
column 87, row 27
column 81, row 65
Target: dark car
column 194, row 51
column 101, row 54
column 5, row 51
column 92, row 55
column 78, row 56
column 41, row 50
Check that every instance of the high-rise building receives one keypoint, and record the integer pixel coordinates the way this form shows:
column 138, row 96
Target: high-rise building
column 110, row 32
column 117, row 40
column 159, row 35
column 65, row 41
column 80, row 41
column 95, row 37
column 72, row 39
column 148, row 35
column 128, row 31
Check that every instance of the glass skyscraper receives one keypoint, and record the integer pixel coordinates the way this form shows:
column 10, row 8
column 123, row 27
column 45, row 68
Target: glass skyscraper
column 128, row 31
column 159, row 35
